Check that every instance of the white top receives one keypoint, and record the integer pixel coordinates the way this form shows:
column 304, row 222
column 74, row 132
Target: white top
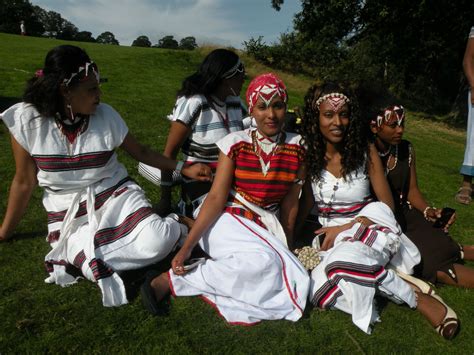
column 471, row 34
column 209, row 123
column 338, row 200
column 64, row 167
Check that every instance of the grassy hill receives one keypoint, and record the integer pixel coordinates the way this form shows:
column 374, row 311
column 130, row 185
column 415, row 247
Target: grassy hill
column 142, row 82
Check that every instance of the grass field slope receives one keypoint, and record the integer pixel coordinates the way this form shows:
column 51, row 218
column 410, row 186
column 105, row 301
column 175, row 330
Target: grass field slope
column 142, row 82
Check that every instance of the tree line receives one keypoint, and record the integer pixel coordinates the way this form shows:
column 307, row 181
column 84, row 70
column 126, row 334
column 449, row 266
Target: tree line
column 42, row 23
column 413, row 48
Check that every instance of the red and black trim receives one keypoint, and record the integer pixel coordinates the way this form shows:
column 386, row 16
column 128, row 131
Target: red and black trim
column 58, row 163
column 100, row 199
column 109, row 235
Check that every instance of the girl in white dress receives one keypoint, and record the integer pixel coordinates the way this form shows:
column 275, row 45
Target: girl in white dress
column 364, row 247
column 64, row 140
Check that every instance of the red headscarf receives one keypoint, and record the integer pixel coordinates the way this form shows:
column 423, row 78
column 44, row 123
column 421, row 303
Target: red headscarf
column 265, row 86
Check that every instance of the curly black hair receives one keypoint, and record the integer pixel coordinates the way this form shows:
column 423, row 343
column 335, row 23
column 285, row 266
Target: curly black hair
column 209, row 75
column 355, row 143
column 43, row 91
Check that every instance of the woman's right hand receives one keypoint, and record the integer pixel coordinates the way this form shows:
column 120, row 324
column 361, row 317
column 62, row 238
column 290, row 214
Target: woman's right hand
column 198, row 171
column 177, row 264
column 331, row 234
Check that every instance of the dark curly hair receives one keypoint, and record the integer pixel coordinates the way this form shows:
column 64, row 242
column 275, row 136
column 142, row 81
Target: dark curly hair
column 209, row 75
column 43, row 91
column 355, row 143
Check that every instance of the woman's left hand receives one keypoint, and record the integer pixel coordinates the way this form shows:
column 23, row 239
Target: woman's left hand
column 198, row 171
column 432, row 214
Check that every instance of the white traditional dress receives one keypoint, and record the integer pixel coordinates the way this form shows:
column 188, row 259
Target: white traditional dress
column 251, row 275
column 99, row 220
column 363, row 261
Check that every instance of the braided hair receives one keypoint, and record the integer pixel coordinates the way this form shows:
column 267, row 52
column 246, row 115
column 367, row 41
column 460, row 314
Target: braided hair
column 355, row 143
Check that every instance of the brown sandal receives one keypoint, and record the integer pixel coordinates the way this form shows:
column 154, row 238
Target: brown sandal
column 463, row 195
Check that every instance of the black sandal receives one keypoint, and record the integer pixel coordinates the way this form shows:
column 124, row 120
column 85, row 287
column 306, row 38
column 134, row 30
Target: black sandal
column 161, row 308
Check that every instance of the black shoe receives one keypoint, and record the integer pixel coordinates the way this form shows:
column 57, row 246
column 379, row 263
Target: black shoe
column 149, row 301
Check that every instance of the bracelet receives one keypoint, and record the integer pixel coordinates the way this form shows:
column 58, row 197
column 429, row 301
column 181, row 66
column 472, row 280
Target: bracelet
column 425, row 212
column 179, row 166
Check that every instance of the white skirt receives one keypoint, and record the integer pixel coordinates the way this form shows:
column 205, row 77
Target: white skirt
column 120, row 233
column 252, row 276
column 354, row 270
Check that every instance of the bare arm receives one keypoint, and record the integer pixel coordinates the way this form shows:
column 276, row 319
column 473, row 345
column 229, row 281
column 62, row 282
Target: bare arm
column 468, row 65
column 378, row 180
column 176, row 137
column 416, row 198
column 144, row 154
column 22, row 187
column 211, row 209
column 289, row 208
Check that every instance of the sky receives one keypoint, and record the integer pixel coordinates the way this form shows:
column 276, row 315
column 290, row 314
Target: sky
column 218, row 22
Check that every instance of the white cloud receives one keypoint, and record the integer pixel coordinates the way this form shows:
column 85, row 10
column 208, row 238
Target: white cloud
column 224, row 22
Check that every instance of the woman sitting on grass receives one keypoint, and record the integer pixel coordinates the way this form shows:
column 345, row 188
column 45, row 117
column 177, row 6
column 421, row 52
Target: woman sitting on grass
column 364, row 244
column 440, row 255
column 207, row 109
column 251, row 275
column 64, row 139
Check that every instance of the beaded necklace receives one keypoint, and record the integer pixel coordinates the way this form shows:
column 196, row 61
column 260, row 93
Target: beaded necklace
column 267, row 149
column 395, row 160
column 332, row 198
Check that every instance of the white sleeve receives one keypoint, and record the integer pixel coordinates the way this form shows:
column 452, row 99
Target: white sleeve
column 117, row 126
column 21, row 120
column 187, row 110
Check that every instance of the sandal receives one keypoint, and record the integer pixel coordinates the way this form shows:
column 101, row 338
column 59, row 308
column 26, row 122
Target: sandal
column 464, row 195
column 161, row 308
column 424, row 286
column 449, row 326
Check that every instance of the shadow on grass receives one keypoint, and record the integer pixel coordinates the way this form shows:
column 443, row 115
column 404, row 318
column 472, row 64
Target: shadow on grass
column 29, row 235
column 6, row 102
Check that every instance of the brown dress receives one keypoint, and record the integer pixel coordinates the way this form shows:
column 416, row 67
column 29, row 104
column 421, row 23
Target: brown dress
column 438, row 250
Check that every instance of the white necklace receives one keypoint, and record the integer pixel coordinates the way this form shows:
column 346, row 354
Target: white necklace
column 395, row 160
column 269, row 148
column 329, row 203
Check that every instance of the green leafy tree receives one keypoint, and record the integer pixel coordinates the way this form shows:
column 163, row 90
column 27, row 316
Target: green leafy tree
column 168, row 42
column 413, row 47
column 14, row 11
column 188, row 43
column 84, row 36
column 107, row 38
column 141, row 41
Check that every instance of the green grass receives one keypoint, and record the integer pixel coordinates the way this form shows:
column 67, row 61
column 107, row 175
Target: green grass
column 37, row 318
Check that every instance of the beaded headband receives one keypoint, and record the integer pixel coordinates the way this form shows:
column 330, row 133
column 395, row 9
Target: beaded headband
column 390, row 115
column 237, row 68
column 83, row 72
column 335, row 99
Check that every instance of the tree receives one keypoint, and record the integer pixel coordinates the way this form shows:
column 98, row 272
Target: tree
column 67, row 31
column 141, row 41
column 188, row 43
column 413, row 47
column 107, row 38
column 84, row 36
column 168, row 42
column 14, row 11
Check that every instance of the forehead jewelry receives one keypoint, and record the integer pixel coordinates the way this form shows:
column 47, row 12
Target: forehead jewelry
column 385, row 117
column 83, row 68
column 335, row 99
